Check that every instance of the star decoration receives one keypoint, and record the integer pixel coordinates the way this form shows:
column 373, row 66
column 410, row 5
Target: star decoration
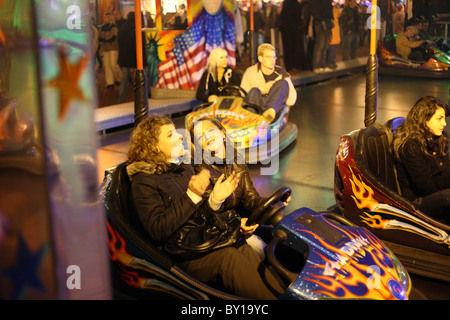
column 24, row 274
column 67, row 82
column 2, row 37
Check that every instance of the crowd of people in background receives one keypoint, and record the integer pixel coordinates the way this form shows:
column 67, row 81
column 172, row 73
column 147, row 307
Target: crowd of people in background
column 313, row 31
column 307, row 34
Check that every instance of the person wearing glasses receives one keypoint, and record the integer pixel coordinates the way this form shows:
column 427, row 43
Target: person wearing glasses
column 267, row 84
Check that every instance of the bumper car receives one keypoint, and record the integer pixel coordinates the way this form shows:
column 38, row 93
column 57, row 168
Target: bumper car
column 367, row 193
column 437, row 65
column 254, row 137
column 316, row 255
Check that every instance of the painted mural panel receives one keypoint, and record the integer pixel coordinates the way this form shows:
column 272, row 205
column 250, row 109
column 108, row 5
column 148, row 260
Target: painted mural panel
column 26, row 250
column 52, row 236
column 177, row 58
column 68, row 102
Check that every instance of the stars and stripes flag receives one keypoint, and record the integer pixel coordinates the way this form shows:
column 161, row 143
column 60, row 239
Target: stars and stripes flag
column 186, row 61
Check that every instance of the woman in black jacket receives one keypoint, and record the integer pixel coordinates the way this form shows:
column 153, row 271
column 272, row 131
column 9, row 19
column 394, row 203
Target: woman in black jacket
column 216, row 76
column 214, row 151
column 168, row 198
column 422, row 158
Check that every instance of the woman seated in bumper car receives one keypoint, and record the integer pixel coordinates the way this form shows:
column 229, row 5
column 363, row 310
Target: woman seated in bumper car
column 422, row 158
column 169, row 199
column 217, row 75
column 214, row 151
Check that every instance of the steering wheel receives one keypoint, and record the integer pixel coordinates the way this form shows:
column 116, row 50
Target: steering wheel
column 233, row 90
column 270, row 209
column 237, row 91
column 256, row 109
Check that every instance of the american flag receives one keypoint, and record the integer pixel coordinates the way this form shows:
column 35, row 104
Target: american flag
column 186, row 61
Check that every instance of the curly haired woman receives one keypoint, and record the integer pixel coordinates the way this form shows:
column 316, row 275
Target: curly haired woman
column 167, row 197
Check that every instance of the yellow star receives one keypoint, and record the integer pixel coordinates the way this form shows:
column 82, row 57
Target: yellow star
column 67, row 82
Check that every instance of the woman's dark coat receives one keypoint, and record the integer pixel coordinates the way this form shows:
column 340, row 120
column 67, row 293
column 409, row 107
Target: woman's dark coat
column 185, row 229
column 421, row 174
column 245, row 198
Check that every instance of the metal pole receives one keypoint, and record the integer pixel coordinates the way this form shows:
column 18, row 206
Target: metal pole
column 140, row 78
column 251, row 37
column 372, row 73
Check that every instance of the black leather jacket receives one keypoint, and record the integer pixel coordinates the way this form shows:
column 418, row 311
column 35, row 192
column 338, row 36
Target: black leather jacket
column 184, row 229
column 245, row 198
column 420, row 174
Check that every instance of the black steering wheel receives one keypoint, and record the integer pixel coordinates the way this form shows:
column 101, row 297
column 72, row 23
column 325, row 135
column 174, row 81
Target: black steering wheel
column 256, row 109
column 270, row 211
column 233, row 90
column 237, row 91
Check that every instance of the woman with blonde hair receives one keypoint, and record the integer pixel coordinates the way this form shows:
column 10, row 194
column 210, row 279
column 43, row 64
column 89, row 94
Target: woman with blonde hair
column 217, row 75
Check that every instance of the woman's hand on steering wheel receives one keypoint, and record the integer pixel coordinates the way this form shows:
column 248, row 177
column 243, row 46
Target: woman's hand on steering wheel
column 247, row 230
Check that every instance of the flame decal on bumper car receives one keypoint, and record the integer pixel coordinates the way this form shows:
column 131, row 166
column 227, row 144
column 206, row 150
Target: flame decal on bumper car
column 360, row 265
column 363, row 195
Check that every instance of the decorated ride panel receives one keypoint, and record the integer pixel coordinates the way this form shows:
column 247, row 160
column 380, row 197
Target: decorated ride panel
column 135, row 272
column 363, row 203
column 177, row 57
column 343, row 262
column 50, row 217
column 246, row 128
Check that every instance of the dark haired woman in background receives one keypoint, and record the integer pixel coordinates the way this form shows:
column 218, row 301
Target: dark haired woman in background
column 422, row 157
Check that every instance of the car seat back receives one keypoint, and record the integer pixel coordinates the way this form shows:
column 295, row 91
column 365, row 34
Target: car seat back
column 375, row 160
column 125, row 218
column 394, row 123
column 375, row 151
column 118, row 197
column 389, row 43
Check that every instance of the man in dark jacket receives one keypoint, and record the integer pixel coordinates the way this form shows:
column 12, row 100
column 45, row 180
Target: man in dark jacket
column 127, row 54
column 290, row 20
column 350, row 24
column 322, row 13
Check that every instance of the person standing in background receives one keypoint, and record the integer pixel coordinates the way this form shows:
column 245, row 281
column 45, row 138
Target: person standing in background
column 290, row 19
column 335, row 39
column 398, row 19
column 118, row 19
column 127, row 54
column 350, row 24
column 108, row 38
column 322, row 13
